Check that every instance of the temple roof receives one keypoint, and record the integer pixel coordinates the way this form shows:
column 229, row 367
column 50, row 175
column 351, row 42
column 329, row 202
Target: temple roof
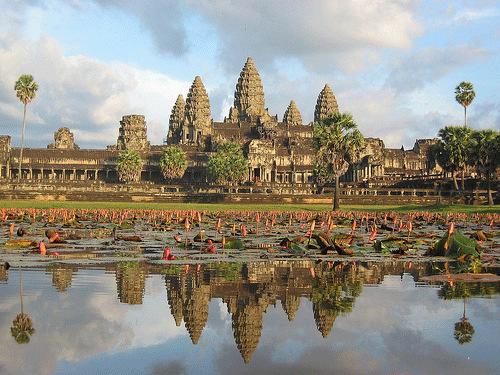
column 197, row 109
column 292, row 115
column 249, row 94
column 326, row 104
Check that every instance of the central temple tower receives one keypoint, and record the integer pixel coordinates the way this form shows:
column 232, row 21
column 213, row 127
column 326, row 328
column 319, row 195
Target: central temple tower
column 249, row 101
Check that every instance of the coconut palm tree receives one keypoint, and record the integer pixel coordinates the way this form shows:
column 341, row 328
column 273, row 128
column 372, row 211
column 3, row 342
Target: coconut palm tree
column 453, row 150
column 464, row 329
column 485, row 156
column 173, row 163
column 129, row 166
column 26, row 89
column 22, row 326
column 338, row 142
column 464, row 95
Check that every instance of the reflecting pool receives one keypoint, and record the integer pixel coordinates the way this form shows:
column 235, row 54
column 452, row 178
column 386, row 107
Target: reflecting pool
column 281, row 317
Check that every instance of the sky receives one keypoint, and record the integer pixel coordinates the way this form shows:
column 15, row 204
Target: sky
column 392, row 64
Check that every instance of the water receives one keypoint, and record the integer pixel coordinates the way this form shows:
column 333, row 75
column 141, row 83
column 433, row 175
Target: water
column 284, row 318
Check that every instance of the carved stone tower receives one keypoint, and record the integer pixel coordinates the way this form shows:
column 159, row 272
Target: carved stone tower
column 292, row 115
column 249, row 95
column 176, row 120
column 197, row 118
column 63, row 140
column 326, row 104
column 132, row 133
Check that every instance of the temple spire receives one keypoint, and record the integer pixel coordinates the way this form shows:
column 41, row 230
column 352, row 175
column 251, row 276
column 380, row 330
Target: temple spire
column 325, row 105
column 175, row 122
column 197, row 117
column 292, row 115
column 249, row 101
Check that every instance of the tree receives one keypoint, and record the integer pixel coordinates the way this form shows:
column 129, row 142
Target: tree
column 26, row 89
column 452, row 151
column 228, row 164
column 22, row 326
column 485, row 156
column 129, row 166
column 338, row 142
column 173, row 163
column 464, row 95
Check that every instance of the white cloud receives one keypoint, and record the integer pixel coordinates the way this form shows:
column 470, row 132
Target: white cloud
column 85, row 94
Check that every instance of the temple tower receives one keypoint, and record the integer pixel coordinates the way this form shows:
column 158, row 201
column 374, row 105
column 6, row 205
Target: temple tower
column 133, row 133
column 197, row 118
column 247, row 327
column 292, row 115
column 63, row 140
column 176, row 120
column 326, row 104
column 249, row 95
column 290, row 305
column 131, row 283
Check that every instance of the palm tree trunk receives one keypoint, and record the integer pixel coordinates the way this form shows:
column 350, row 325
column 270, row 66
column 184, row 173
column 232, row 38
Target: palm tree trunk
column 455, row 182
column 462, row 182
column 22, row 145
column 465, row 115
column 336, row 200
column 21, row 289
column 488, row 182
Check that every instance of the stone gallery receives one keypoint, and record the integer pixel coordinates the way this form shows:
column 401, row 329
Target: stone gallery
column 277, row 151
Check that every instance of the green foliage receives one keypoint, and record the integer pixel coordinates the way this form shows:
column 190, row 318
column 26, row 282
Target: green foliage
column 452, row 152
column 455, row 245
column 129, row 166
column 484, row 154
column 173, row 163
column 22, row 328
column 228, row 164
column 463, row 331
column 464, row 93
column 338, row 142
column 26, row 88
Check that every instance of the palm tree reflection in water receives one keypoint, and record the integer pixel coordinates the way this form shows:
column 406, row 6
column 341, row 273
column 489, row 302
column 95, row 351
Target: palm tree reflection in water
column 22, row 326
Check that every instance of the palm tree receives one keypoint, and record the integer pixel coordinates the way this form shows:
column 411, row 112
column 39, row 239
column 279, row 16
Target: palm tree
column 26, row 89
column 173, row 163
column 453, row 150
column 129, row 166
column 22, row 325
column 338, row 142
column 464, row 95
column 464, row 329
column 485, row 156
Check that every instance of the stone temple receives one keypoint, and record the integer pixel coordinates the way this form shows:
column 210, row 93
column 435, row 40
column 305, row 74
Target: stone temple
column 277, row 151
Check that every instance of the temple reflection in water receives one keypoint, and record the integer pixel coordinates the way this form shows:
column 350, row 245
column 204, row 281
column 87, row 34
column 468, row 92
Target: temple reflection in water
column 249, row 289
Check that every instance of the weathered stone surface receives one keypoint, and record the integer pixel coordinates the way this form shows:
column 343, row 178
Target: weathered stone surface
column 247, row 328
column 292, row 115
column 326, row 104
column 249, row 100
column 197, row 118
column 176, row 121
column 63, row 140
column 133, row 133
column 130, row 284
column 196, row 308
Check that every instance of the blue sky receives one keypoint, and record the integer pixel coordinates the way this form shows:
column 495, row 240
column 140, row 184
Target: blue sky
column 393, row 64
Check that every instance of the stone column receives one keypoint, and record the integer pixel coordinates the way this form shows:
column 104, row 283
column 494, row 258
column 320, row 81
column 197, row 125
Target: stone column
column 95, row 175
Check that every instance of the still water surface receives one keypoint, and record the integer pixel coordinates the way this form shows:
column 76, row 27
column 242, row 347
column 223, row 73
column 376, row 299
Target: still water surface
column 279, row 318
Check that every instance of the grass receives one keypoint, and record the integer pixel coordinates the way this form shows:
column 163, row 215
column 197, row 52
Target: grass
column 242, row 207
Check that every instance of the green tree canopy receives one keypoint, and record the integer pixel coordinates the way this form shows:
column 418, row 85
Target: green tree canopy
column 22, row 328
column 228, row 164
column 129, row 166
column 464, row 95
column 485, row 155
column 453, row 149
column 173, row 163
column 338, row 142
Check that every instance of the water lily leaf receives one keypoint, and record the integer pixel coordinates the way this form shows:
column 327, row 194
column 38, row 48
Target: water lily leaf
column 234, row 244
column 455, row 245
